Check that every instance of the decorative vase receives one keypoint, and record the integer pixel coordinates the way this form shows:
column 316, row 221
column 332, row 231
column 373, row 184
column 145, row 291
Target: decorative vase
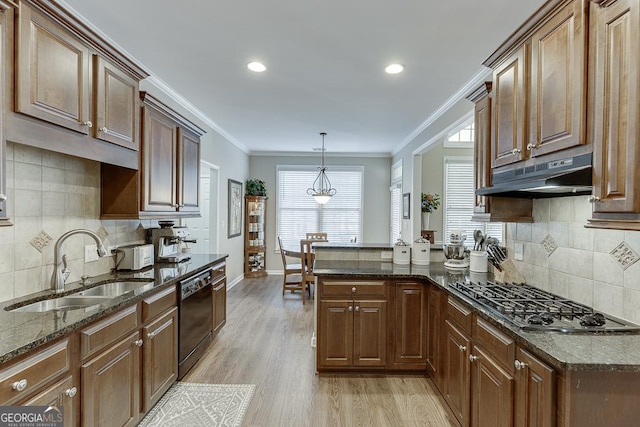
column 426, row 216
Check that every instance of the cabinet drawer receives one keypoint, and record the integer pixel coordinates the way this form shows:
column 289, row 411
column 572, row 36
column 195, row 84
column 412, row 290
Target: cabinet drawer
column 459, row 314
column 102, row 334
column 351, row 289
column 34, row 372
column 219, row 270
column 158, row 303
column 501, row 346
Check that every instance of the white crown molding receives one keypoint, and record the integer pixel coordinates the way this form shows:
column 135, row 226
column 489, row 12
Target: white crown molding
column 460, row 94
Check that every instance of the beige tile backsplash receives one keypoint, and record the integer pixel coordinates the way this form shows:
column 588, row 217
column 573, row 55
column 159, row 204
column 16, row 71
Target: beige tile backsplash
column 55, row 193
column 582, row 266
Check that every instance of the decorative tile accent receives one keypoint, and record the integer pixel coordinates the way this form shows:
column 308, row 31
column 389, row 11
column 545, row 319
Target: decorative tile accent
column 549, row 244
column 102, row 233
column 41, row 240
column 624, row 255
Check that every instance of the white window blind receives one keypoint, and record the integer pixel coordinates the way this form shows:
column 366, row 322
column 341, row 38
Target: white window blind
column 298, row 212
column 396, row 201
column 459, row 191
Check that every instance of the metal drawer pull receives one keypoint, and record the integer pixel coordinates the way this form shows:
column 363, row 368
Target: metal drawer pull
column 350, row 308
column 88, row 123
column 594, row 199
column 357, row 308
column 519, row 365
column 473, row 358
column 19, row 385
column 151, row 335
column 71, row 392
column 515, row 151
column 104, row 130
column 138, row 342
column 353, row 289
column 462, row 347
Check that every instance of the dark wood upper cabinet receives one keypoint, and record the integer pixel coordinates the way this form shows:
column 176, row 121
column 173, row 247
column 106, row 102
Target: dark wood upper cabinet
column 188, row 171
column 117, row 115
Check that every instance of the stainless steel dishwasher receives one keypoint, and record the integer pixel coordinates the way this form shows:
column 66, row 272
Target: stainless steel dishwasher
column 195, row 319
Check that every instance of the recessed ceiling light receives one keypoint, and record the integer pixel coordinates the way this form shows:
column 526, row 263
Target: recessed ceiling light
column 394, row 68
column 257, row 67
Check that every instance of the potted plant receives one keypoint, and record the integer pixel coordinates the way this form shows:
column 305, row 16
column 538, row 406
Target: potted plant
column 256, row 187
column 430, row 203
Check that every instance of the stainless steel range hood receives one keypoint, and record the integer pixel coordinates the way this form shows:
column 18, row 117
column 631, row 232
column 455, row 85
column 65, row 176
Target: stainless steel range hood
column 565, row 177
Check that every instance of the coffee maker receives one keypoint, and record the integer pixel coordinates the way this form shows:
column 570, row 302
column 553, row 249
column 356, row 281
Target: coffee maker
column 168, row 241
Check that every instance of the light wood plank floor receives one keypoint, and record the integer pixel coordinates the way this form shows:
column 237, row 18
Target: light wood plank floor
column 266, row 342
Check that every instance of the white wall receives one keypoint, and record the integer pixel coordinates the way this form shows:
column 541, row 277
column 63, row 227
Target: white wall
column 376, row 197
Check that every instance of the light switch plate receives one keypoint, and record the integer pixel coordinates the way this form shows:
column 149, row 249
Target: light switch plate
column 90, row 253
column 518, row 251
column 386, row 255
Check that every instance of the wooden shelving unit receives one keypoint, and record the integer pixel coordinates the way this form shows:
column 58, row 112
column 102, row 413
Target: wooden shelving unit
column 255, row 208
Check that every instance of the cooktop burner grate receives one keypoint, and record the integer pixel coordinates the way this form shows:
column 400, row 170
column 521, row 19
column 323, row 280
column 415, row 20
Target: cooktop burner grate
column 531, row 308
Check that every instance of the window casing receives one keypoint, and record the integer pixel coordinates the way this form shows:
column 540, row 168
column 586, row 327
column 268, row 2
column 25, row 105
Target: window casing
column 298, row 212
column 396, row 202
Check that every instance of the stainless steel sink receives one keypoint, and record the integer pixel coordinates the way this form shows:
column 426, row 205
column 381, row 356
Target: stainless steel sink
column 67, row 303
column 116, row 289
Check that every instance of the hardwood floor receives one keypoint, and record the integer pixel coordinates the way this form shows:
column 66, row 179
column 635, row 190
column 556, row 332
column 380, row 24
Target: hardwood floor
column 266, row 342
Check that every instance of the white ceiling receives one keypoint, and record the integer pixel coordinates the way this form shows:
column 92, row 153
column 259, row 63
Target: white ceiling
column 325, row 62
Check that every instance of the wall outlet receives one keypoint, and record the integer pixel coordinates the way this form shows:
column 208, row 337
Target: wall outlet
column 518, row 250
column 110, row 249
column 386, row 255
column 90, row 253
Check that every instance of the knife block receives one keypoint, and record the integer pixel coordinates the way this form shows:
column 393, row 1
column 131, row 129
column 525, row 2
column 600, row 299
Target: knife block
column 509, row 273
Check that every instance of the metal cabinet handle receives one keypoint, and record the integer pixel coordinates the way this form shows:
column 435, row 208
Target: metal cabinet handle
column 594, row 199
column 350, row 308
column 138, row 342
column 473, row 358
column 353, row 290
column 88, row 124
column 531, row 146
column 104, row 129
column 357, row 308
column 515, row 151
column 151, row 335
column 462, row 347
column 19, row 385
column 71, row 392
column 519, row 365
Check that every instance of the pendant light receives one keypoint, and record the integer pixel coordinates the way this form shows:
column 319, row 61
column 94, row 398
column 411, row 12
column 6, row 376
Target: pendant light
column 321, row 189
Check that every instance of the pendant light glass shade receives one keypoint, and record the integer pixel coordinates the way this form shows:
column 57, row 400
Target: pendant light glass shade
column 321, row 189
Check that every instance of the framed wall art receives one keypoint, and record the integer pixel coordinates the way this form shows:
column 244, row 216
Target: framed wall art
column 234, row 222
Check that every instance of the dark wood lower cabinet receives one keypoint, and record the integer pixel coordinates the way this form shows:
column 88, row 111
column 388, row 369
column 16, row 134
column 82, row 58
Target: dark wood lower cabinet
column 456, row 374
column 535, row 402
column 410, row 325
column 435, row 325
column 111, row 385
column 219, row 305
column 369, row 333
column 62, row 394
column 492, row 392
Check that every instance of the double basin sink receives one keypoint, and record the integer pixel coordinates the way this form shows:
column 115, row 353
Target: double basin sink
column 87, row 298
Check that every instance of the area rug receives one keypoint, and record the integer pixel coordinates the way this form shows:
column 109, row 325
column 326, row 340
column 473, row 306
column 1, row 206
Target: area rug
column 190, row 404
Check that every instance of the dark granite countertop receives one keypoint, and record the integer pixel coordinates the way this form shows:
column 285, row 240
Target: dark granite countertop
column 564, row 351
column 21, row 332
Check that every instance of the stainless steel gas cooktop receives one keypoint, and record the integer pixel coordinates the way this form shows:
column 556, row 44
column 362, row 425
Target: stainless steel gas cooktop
column 533, row 309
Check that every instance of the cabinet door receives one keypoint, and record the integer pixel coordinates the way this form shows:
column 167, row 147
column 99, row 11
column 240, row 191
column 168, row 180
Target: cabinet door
column 482, row 151
column 369, row 333
column 160, row 358
column 535, row 392
column 111, row 386
column 188, row 171
column 62, row 394
column 434, row 334
column 159, row 163
column 411, row 324
column 508, row 130
column 116, row 105
column 335, row 333
column 558, row 73
column 52, row 74
column 457, row 382
column 219, row 305
column 492, row 394
column 615, row 115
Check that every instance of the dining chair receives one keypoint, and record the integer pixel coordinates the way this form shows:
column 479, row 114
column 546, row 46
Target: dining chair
column 307, row 257
column 318, row 235
column 292, row 272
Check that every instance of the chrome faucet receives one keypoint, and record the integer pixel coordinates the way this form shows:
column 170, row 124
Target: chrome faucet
column 61, row 272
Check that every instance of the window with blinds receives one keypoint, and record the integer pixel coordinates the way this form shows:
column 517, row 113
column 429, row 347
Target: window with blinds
column 458, row 201
column 298, row 212
column 396, row 201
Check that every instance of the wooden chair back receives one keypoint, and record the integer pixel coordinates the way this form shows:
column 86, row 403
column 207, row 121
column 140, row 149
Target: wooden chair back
column 318, row 235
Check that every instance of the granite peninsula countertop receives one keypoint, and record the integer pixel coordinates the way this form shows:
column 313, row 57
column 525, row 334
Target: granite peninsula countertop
column 564, row 351
column 21, row 332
